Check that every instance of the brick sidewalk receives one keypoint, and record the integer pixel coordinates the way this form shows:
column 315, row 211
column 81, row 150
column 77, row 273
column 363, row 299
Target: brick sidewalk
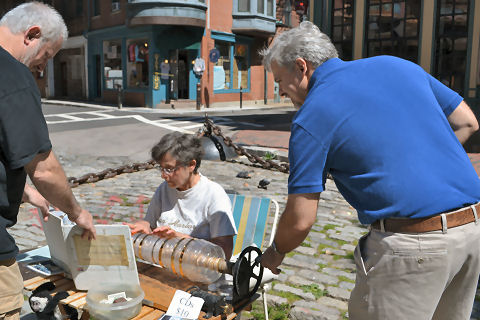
column 475, row 159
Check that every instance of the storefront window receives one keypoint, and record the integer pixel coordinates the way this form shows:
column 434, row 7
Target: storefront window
column 221, row 70
column 137, row 63
column 231, row 69
column 451, row 39
column 393, row 28
column 342, row 27
column 240, row 67
column 112, row 62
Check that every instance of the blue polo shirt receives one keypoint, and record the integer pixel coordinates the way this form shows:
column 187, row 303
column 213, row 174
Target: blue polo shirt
column 379, row 126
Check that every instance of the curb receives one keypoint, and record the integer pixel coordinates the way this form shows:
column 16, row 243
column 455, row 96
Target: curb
column 227, row 109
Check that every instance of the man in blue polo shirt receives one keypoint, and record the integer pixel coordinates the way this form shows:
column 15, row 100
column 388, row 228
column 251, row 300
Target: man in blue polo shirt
column 391, row 137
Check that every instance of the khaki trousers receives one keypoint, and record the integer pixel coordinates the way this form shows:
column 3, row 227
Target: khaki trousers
column 13, row 315
column 431, row 275
column 11, row 290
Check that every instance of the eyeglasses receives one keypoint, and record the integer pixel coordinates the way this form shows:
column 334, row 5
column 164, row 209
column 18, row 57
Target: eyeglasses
column 167, row 171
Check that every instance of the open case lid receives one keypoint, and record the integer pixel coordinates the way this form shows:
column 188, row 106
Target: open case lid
column 108, row 258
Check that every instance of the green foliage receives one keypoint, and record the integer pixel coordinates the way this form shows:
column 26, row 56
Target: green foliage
column 314, row 289
column 321, row 266
column 345, row 279
column 340, row 242
column 269, row 156
column 291, row 297
column 328, row 227
column 306, row 244
column 349, row 256
column 275, row 312
column 321, row 247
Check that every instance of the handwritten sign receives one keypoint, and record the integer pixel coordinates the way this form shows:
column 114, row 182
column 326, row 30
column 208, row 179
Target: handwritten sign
column 103, row 251
column 185, row 306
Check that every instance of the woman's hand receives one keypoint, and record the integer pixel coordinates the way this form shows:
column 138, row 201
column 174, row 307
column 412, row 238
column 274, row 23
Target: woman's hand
column 139, row 226
column 167, row 232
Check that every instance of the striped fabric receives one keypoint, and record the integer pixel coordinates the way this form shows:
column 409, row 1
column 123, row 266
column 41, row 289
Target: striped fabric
column 250, row 215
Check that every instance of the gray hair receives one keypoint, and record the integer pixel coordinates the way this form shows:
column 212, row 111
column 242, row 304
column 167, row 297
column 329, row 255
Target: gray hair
column 305, row 41
column 183, row 147
column 30, row 14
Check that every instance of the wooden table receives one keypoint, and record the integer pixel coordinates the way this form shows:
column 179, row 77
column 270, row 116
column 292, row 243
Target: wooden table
column 159, row 286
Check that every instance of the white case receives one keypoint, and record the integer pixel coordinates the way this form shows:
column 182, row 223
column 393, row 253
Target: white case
column 110, row 258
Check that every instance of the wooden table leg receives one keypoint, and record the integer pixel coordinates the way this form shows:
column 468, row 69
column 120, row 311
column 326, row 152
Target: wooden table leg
column 85, row 315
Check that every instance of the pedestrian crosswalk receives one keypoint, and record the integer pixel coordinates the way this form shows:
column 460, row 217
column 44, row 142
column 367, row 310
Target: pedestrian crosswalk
column 180, row 124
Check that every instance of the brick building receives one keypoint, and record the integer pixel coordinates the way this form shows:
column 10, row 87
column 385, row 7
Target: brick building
column 148, row 50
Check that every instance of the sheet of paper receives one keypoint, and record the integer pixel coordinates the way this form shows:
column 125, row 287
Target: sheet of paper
column 185, row 306
column 103, row 251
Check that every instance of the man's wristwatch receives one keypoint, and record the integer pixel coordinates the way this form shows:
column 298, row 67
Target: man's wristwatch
column 274, row 247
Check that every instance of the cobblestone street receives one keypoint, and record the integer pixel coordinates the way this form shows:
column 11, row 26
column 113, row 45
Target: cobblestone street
column 316, row 278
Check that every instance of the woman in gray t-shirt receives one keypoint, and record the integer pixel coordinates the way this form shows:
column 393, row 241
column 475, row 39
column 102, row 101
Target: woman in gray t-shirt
column 187, row 204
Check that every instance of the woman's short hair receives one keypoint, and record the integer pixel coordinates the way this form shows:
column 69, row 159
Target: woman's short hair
column 29, row 14
column 183, row 147
column 305, row 41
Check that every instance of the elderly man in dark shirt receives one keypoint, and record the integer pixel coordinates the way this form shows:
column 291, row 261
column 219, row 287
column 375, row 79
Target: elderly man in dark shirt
column 30, row 34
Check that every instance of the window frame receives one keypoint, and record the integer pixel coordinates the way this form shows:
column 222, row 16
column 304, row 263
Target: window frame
column 231, row 40
column 253, row 8
column 96, row 8
column 118, row 5
column 440, row 58
column 122, row 50
column 343, row 25
column 377, row 39
column 126, row 83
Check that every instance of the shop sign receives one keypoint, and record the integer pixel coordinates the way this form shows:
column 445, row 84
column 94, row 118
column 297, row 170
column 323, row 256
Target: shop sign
column 214, row 55
column 156, row 71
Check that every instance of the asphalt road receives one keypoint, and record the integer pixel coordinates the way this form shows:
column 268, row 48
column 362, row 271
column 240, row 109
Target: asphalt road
column 112, row 132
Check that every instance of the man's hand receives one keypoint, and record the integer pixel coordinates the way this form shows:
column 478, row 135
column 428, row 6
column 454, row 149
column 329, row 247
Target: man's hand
column 167, row 232
column 34, row 197
column 271, row 259
column 85, row 221
column 141, row 226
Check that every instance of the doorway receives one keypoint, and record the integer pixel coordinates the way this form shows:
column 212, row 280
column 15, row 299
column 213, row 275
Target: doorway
column 183, row 74
column 180, row 69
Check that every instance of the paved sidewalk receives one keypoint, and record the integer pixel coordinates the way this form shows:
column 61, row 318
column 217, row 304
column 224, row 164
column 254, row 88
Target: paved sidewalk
column 180, row 107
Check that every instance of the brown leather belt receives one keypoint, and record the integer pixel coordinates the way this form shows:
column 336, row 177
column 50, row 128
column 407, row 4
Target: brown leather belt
column 419, row 225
